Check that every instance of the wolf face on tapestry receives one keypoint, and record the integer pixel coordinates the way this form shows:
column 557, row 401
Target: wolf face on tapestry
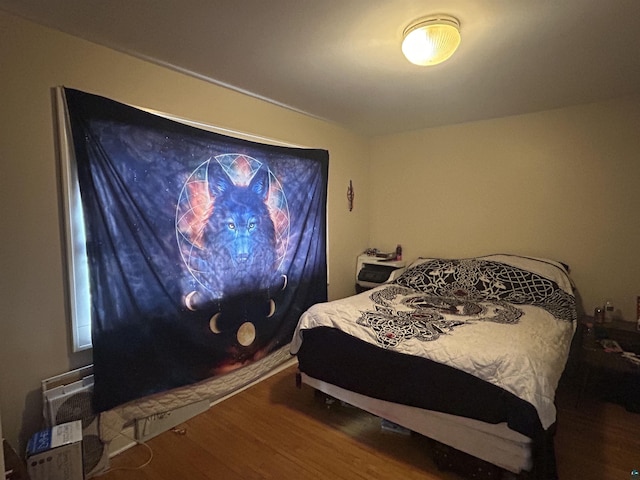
column 203, row 249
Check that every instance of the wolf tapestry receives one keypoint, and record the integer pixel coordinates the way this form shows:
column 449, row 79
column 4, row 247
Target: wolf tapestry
column 203, row 249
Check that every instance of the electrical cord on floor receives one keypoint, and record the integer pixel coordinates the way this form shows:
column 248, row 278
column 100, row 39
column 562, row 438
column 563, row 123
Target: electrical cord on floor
column 139, row 467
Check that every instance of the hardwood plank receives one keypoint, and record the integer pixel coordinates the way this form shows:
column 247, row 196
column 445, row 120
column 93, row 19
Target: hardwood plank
column 274, row 430
column 598, row 440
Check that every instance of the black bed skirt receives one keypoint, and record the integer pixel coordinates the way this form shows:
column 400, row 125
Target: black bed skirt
column 335, row 357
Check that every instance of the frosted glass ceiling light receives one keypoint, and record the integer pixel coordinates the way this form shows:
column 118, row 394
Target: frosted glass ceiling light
column 431, row 40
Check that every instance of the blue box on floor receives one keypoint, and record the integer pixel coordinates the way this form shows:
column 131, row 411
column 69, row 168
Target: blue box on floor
column 56, row 453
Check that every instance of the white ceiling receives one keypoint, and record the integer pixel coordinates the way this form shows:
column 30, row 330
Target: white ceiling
column 340, row 60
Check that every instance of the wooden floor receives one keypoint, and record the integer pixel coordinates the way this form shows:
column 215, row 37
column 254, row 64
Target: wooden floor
column 275, row 431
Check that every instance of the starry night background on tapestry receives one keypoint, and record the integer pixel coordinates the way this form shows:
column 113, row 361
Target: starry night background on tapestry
column 203, row 249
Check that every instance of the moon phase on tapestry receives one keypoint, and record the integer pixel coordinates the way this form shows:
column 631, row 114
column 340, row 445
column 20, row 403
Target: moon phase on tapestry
column 203, row 249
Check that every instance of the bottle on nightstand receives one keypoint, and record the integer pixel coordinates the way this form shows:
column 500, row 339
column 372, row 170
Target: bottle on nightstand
column 608, row 311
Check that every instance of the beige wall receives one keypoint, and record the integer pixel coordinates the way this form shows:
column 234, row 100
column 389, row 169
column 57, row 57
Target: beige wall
column 561, row 184
column 34, row 332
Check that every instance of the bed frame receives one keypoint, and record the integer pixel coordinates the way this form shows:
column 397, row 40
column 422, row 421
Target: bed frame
column 458, row 437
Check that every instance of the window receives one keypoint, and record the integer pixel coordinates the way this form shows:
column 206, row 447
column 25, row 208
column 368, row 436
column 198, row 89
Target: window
column 77, row 270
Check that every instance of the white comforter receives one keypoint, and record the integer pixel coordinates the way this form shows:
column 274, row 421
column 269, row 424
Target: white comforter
column 459, row 314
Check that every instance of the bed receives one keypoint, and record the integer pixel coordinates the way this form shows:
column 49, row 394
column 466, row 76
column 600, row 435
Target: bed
column 468, row 352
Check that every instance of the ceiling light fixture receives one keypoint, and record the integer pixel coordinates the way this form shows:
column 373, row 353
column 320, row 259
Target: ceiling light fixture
column 431, row 40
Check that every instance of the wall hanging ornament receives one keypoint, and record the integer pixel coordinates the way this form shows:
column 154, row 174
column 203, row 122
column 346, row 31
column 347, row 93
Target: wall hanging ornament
column 350, row 195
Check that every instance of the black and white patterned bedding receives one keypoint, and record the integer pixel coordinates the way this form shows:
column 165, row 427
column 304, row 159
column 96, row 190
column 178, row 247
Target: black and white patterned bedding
column 505, row 320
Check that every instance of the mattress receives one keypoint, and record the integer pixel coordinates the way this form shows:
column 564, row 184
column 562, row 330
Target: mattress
column 113, row 421
column 498, row 326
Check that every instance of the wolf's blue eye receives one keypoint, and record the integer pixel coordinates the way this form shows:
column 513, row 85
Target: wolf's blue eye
column 252, row 225
column 232, row 226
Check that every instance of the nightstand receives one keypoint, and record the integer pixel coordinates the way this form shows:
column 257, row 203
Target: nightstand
column 594, row 359
column 372, row 272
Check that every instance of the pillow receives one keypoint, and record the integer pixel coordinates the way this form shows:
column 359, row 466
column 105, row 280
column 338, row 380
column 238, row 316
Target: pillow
column 510, row 278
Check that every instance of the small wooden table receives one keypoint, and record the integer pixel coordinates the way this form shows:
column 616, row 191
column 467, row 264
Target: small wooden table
column 593, row 357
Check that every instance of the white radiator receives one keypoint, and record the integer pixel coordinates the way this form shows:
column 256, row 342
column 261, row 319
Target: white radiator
column 149, row 427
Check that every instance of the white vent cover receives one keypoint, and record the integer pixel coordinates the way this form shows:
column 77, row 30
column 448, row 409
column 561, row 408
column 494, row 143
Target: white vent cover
column 65, row 402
